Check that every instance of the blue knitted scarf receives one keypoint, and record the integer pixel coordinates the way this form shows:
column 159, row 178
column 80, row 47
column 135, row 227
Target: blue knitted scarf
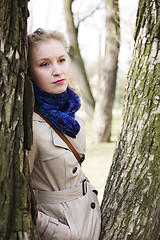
column 59, row 109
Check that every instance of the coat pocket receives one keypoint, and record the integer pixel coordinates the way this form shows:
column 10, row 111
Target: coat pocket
column 55, row 211
column 50, row 228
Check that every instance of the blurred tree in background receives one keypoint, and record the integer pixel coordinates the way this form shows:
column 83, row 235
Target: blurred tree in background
column 79, row 74
column 106, row 96
column 131, row 202
column 15, row 197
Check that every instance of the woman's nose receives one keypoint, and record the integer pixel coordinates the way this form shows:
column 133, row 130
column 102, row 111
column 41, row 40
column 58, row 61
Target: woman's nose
column 56, row 70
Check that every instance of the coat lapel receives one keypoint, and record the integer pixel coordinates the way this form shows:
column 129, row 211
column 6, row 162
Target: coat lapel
column 58, row 141
column 78, row 142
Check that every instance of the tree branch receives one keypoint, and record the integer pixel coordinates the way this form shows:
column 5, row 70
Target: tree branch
column 90, row 14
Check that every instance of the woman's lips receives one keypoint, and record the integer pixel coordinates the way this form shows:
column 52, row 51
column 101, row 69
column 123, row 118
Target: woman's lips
column 61, row 81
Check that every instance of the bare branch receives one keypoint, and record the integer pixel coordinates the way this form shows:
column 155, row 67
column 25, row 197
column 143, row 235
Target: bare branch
column 91, row 13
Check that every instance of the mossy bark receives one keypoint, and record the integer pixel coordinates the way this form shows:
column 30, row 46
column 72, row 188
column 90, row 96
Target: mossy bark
column 105, row 102
column 15, row 196
column 131, row 202
column 79, row 74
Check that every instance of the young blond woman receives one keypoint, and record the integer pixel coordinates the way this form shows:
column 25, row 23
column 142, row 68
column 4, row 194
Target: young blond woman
column 67, row 203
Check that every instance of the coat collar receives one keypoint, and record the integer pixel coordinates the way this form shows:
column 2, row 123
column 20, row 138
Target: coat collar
column 60, row 143
column 78, row 142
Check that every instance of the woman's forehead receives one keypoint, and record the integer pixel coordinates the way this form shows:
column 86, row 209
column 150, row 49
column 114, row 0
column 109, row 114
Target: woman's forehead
column 48, row 48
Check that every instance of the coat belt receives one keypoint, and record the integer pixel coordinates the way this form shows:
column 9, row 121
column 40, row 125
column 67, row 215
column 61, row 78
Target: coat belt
column 51, row 197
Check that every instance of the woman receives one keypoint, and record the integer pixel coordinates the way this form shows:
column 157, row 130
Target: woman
column 67, row 203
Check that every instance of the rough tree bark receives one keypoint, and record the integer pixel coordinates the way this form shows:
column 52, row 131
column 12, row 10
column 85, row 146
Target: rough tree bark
column 79, row 75
column 104, row 104
column 131, row 202
column 16, row 222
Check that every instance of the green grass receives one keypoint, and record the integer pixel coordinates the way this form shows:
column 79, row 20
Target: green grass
column 99, row 156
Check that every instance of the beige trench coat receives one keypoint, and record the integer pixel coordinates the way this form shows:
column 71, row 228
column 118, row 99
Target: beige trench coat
column 65, row 199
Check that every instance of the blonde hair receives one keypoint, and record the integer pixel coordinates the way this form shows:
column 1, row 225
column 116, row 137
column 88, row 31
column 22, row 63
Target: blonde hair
column 41, row 34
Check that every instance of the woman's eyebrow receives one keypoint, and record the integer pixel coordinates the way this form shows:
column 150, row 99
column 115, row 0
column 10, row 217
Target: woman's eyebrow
column 45, row 59
column 61, row 56
column 42, row 59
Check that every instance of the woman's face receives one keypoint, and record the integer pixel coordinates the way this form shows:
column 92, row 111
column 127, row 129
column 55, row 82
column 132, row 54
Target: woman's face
column 48, row 66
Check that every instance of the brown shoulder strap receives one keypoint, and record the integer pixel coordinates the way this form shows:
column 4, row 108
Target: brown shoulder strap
column 61, row 135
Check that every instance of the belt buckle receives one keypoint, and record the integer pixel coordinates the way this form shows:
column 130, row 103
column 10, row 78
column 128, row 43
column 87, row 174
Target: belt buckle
column 84, row 186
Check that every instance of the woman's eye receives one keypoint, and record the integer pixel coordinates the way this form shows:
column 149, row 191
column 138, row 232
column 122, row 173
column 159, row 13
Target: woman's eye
column 44, row 64
column 62, row 60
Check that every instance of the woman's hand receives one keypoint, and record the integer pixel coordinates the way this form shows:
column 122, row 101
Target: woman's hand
column 68, row 236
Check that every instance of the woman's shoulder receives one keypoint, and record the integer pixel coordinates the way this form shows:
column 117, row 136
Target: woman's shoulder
column 40, row 126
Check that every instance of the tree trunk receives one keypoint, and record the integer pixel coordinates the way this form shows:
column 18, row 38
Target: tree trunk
column 15, row 196
column 104, row 105
column 79, row 75
column 131, row 202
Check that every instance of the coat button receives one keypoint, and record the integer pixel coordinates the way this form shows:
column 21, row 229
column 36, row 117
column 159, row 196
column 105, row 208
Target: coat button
column 93, row 205
column 74, row 169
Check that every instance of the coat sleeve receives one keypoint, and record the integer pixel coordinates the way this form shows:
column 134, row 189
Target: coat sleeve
column 50, row 228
